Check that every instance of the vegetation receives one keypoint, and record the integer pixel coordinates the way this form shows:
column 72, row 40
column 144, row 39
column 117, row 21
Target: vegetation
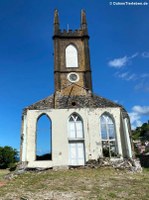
column 141, row 132
column 8, row 157
column 47, row 156
column 96, row 184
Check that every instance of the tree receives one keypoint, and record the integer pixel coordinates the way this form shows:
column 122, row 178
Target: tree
column 141, row 132
column 8, row 157
column 145, row 130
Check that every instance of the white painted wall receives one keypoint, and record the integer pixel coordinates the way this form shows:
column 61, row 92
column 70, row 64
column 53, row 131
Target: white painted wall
column 60, row 145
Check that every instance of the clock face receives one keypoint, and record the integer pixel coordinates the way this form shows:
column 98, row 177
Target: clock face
column 73, row 77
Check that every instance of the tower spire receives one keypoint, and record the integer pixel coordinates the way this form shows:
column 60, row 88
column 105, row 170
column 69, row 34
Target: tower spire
column 83, row 20
column 56, row 21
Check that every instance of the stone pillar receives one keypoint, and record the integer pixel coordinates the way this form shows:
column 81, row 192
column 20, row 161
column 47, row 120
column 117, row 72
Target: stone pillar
column 23, row 148
column 127, row 139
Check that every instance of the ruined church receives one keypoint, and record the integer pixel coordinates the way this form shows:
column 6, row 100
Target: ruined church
column 83, row 126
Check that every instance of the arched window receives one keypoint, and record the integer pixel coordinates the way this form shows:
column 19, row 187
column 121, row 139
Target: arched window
column 75, row 127
column 71, row 55
column 108, row 136
column 43, row 138
column 76, row 140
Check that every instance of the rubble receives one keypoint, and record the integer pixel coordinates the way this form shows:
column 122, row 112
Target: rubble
column 132, row 165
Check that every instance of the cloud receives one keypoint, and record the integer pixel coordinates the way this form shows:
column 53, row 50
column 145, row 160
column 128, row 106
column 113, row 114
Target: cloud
column 142, row 110
column 143, row 86
column 134, row 55
column 131, row 77
column 136, row 114
column 145, row 75
column 118, row 62
column 123, row 75
column 135, row 120
column 126, row 76
column 142, row 79
column 145, row 54
column 121, row 62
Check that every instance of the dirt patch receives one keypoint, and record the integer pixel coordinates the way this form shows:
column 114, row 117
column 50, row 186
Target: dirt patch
column 2, row 184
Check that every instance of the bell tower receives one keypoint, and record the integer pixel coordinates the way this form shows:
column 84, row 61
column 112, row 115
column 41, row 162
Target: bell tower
column 72, row 73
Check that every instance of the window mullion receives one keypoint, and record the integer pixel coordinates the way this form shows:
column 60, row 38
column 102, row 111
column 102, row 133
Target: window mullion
column 108, row 139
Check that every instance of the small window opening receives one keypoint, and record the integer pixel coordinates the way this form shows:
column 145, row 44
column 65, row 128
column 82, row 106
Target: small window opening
column 73, row 103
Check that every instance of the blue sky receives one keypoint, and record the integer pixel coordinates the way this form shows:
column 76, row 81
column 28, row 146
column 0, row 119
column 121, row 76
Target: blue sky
column 119, row 50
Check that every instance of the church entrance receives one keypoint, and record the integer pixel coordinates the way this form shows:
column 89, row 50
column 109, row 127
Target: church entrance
column 76, row 153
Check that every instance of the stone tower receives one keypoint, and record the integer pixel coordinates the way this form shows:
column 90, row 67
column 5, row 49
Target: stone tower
column 84, row 126
column 72, row 73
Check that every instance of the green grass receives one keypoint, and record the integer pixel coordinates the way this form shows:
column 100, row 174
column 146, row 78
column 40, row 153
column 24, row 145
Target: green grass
column 3, row 173
column 98, row 184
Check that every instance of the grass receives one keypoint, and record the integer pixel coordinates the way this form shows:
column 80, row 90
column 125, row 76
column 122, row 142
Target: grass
column 3, row 172
column 75, row 184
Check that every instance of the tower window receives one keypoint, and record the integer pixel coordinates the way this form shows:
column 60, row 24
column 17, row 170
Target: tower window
column 108, row 135
column 71, row 55
column 73, row 77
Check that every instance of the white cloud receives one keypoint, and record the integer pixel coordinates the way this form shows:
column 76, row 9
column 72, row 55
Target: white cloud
column 123, row 75
column 121, row 62
column 145, row 54
column 118, row 62
column 136, row 114
column 142, row 110
column 126, row 76
column 133, row 56
column 135, row 120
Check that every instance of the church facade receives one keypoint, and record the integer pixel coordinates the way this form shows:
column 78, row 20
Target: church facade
column 84, row 126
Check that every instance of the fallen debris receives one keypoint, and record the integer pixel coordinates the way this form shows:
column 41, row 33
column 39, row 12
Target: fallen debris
column 132, row 165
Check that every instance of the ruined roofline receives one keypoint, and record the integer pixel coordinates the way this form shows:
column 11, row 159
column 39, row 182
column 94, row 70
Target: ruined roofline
column 55, row 101
column 80, row 32
column 70, row 33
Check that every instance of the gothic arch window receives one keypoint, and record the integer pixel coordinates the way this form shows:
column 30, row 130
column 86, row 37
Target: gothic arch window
column 71, row 56
column 75, row 127
column 108, row 135
column 76, row 140
column 43, row 138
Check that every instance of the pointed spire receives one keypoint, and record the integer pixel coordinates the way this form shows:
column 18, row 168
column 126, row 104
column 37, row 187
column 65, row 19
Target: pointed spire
column 83, row 17
column 83, row 20
column 56, row 17
column 56, row 21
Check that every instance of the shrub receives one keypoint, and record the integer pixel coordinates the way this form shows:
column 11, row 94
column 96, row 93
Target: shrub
column 8, row 156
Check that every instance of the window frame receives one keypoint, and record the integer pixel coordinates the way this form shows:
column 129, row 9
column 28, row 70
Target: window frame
column 108, row 141
column 75, row 118
column 68, row 58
